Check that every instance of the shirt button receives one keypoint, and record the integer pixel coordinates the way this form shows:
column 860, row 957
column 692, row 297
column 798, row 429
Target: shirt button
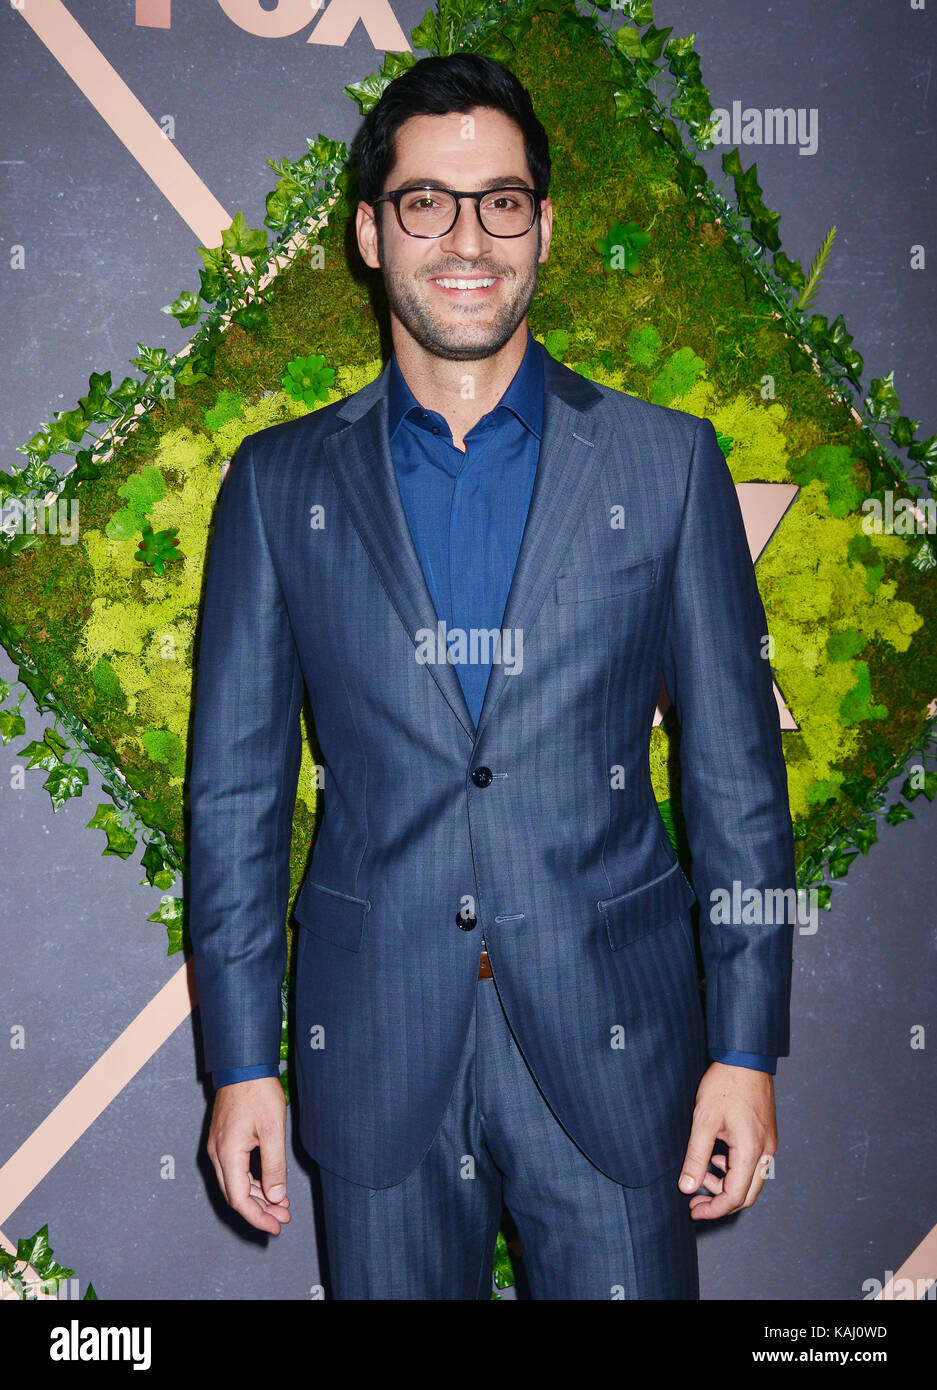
column 482, row 776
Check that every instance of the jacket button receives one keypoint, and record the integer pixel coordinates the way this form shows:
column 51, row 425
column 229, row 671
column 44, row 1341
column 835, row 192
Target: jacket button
column 482, row 776
column 466, row 920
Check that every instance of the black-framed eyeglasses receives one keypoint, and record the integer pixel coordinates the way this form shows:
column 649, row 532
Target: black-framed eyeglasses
column 431, row 211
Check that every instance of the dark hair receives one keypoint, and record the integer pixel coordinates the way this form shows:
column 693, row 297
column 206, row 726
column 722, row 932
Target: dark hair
column 436, row 87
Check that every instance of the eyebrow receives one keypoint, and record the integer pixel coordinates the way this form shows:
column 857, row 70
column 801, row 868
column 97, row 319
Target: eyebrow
column 499, row 181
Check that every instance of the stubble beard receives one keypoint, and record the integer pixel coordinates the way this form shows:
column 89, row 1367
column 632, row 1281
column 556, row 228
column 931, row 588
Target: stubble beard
column 459, row 342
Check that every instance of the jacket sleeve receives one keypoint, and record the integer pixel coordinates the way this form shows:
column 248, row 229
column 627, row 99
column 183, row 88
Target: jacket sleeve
column 246, row 745
column 732, row 773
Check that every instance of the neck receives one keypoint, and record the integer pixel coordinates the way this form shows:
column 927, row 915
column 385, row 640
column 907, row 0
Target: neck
column 460, row 391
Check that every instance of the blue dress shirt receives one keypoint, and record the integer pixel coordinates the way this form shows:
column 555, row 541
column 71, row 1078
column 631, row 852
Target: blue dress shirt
column 470, row 503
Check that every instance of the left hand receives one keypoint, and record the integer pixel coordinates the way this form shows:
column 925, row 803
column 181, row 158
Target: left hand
column 735, row 1104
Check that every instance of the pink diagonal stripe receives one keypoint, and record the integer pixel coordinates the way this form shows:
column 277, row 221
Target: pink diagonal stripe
column 920, row 1267
column 130, row 121
column 77, row 1111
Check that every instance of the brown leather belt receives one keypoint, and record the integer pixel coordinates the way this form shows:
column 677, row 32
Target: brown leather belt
column 484, row 967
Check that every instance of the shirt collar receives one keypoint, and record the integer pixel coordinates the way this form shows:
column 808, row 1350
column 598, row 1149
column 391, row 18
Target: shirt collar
column 524, row 395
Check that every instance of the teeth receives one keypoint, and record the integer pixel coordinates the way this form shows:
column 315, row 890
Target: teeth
column 464, row 284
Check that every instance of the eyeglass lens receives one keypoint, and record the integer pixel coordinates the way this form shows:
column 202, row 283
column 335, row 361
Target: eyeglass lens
column 431, row 211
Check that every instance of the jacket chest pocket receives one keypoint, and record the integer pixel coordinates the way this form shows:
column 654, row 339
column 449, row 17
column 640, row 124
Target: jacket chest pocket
column 578, row 586
column 337, row 917
column 641, row 910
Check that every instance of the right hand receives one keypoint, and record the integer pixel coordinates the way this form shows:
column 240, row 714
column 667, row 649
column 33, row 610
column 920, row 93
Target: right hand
column 247, row 1114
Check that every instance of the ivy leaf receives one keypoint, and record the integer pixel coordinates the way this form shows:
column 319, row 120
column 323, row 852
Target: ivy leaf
column 169, row 913
column 152, row 361
column 631, row 101
column 423, row 35
column 40, row 755
column 55, row 741
column 11, row 725
column 158, row 874
column 368, row 93
column 106, row 816
column 97, row 404
column 503, row 1269
column 929, row 789
column 251, row 316
column 40, row 446
column 925, row 451
column 85, row 467
column 186, row 308
column 866, row 836
column 903, row 430
column 120, row 841
column 883, row 402
column 791, row 272
column 241, row 240
column 898, row 812
column 65, row 781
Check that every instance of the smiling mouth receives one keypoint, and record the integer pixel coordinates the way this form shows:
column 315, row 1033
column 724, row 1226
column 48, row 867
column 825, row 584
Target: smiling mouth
column 460, row 282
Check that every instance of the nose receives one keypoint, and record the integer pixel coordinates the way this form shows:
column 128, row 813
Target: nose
column 468, row 235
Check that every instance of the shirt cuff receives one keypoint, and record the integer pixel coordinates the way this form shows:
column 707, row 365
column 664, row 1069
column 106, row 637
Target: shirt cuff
column 231, row 1074
column 746, row 1059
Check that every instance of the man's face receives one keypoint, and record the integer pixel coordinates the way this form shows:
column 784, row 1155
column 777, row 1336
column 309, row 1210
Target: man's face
column 459, row 150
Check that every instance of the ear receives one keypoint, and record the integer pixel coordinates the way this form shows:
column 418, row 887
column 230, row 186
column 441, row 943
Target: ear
column 546, row 229
column 366, row 232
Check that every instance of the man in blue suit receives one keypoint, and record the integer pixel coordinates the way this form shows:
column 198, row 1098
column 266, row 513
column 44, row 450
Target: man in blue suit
column 480, row 567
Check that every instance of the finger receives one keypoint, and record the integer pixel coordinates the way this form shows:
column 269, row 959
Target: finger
column 699, row 1151
column 257, row 1191
column 762, row 1168
column 738, row 1180
column 237, row 1175
column 281, row 1210
column 713, row 1182
column 219, row 1173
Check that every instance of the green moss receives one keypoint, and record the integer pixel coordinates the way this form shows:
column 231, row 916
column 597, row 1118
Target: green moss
column 835, row 465
column 845, row 643
column 644, row 345
column 679, row 374
column 228, row 406
column 142, row 489
column 106, row 682
column 857, row 703
column 164, row 746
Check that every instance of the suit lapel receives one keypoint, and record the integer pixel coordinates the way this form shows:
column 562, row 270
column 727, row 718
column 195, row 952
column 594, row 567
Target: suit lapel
column 570, row 457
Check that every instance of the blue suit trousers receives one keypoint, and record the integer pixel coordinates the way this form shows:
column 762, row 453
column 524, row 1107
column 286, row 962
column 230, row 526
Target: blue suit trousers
column 432, row 1236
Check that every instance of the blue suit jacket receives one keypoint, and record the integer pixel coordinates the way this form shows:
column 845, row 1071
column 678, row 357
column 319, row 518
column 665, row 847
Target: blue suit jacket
column 542, row 819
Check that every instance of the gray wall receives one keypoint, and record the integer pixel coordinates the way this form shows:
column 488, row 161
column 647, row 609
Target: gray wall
column 853, row 1191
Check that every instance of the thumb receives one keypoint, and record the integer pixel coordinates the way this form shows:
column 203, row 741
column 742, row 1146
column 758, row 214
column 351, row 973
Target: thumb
column 696, row 1160
column 273, row 1168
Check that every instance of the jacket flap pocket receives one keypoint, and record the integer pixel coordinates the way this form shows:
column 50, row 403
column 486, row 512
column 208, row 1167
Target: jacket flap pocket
column 643, row 909
column 578, row 585
column 337, row 917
